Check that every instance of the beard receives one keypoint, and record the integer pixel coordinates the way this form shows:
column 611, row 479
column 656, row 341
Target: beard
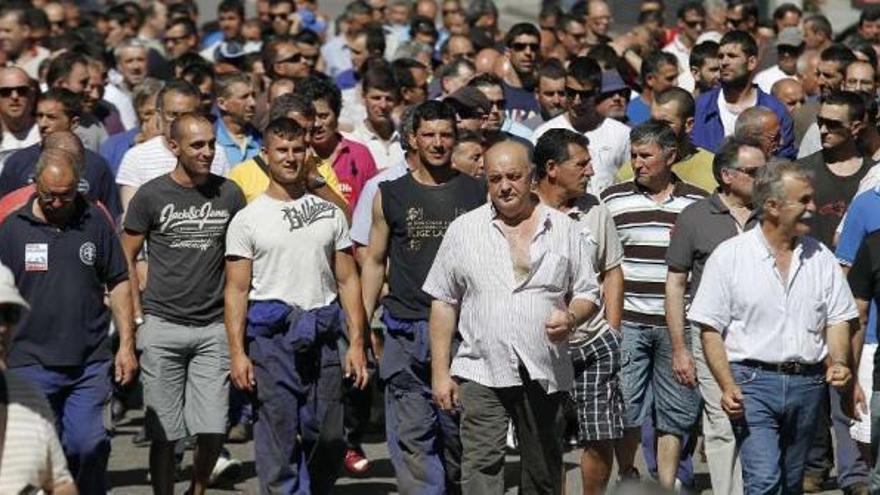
column 738, row 82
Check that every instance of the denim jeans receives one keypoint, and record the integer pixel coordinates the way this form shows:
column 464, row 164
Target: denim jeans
column 777, row 429
column 874, row 479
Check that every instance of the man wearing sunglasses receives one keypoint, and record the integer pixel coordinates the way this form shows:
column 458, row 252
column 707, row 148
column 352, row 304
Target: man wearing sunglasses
column 789, row 47
column 61, row 247
column 17, row 98
column 609, row 139
column 691, row 23
column 181, row 37
column 523, row 42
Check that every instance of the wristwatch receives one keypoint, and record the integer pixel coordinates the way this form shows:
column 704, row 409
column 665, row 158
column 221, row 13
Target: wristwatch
column 317, row 183
column 138, row 321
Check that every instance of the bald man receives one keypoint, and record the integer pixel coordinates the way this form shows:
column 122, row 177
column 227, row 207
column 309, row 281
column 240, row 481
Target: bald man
column 64, row 349
column 513, row 361
column 790, row 92
column 17, row 98
column 598, row 23
column 96, row 179
column 762, row 125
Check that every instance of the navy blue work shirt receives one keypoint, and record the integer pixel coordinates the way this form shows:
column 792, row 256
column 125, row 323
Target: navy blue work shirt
column 62, row 273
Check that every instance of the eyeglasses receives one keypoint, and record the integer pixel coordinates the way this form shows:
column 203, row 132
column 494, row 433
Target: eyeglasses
column 6, row 92
column 584, row 94
column 278, row 17
column 830, row 124
column 751, row 171
column 521, row 47
column 298, row 58
column 173, row 40
column 50, row 197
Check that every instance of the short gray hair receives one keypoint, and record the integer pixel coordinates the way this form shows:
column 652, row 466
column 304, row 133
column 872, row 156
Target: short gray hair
column 128, row 44
column 148, row 88
column 407, row 126
column 655, row 131
column 768, row 182
column 412, row 49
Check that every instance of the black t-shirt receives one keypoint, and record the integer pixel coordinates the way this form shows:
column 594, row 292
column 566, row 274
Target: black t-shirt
column 186, row 231
column 864, row 280
column 62, row 273
column 833, row 194
column 418, row 216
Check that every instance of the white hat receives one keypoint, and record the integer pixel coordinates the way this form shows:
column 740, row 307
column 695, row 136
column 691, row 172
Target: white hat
column 709, row 36
column 8, row 292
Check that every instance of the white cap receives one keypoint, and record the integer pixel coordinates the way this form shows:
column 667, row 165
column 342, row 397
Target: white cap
column 709, row 36
column 8, row 291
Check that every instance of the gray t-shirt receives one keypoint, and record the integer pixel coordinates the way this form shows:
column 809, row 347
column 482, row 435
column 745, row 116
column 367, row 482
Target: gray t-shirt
column 186, row 231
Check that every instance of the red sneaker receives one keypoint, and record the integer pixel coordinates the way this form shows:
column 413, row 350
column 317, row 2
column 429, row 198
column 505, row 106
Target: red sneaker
column 356, row 463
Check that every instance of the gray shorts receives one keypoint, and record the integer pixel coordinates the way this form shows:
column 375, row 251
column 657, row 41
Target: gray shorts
column 185, row 374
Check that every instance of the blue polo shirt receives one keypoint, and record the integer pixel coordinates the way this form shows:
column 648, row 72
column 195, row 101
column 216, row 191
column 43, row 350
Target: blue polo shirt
column 115, row 147
column 97, row 181
column 234, row 153
column 62, row 273
column 637, row 111
column 709, row 131
column 861, row 219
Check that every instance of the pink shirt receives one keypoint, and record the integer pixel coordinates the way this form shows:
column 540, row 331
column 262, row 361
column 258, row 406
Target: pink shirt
column 354, row 166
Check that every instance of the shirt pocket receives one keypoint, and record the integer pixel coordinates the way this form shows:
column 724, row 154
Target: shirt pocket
column 815, row 313
column 551, row 273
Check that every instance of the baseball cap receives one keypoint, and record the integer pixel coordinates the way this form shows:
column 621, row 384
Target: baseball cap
column 470, row 98
column 8, row 291
column 790, row 36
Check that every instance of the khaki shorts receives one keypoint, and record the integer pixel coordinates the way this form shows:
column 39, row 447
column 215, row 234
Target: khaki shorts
column 185, row 374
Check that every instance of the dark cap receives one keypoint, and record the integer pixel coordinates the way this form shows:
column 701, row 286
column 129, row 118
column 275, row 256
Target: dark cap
column 611, row 82
column 470, row 98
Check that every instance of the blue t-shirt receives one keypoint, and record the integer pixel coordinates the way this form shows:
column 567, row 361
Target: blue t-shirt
column 63, row 275
column 637, row 111
column 861, row 220
column 115, row 147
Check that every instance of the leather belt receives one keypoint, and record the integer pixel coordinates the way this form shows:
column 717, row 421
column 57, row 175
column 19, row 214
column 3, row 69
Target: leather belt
column 788, row 368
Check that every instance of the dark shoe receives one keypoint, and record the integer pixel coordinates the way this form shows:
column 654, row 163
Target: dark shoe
column 356, row 462
column 240, row 433
column 813, row 483
column 856, row 489
column 631, row 475
column 140, row 438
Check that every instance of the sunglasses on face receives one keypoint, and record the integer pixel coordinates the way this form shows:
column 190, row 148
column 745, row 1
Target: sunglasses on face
column 175, row 39
column 830, row 124
column 279, row 17
column 751, row 172
column 584, row 94
column 694, row 24
column 50, row 197
column 623, row 93
column 7, row 91
column 500, row 104
column 736, row 23
column 297, row 58
column 521, row 47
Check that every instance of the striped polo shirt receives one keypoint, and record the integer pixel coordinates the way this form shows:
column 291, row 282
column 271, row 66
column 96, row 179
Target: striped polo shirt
column 645, row 227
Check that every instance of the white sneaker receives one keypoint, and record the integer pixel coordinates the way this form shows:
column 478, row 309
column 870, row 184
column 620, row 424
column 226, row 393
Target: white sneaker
column 226, row 470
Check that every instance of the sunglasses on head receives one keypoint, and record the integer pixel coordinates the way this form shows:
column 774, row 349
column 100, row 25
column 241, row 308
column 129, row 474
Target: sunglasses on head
column 7, row 91
column 520, row 47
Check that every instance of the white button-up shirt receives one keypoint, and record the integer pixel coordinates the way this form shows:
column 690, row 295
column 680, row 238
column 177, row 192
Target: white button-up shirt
column 501, row 320
column 763, row 317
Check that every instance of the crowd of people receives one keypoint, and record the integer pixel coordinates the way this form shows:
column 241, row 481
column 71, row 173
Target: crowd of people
column 545, row 238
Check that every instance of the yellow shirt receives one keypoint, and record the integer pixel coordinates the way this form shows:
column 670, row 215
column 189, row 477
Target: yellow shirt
column 696, row 170
column 253, row 181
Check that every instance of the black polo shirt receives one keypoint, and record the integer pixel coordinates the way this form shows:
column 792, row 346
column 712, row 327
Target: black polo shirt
column 62, row 273
column 698, row 230
column 864, row 280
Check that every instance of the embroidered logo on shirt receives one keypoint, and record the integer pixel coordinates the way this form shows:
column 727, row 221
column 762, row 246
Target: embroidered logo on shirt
column 309, row 212
column 87, row 253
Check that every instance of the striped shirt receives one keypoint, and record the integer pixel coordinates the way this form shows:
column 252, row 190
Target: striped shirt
column 32, row 454
column 152, row 158
column 501, row 320
column 645, row 227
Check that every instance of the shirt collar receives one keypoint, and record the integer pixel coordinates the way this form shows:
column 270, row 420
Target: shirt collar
column 677, row 185
column 82, row 213
column 543, row 210
column 225, row 139
column 764, row 246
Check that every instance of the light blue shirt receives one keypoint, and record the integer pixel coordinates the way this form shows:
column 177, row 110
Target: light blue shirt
column 234, row 153
column 519, row 130
column 336, row 55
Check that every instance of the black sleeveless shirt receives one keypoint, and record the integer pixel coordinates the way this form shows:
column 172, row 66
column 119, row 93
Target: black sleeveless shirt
column 417, row 217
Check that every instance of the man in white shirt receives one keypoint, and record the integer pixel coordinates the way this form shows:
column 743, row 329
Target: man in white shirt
column 609, row 139
column 17, row 99
column 131, row 69
column 153, row 157
column 691, row 22
column 501, row 278
column 377, row 132
column 770, row 326
column 789, row 47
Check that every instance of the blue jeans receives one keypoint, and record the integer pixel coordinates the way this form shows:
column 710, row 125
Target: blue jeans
column 777, row 429
column 78, row 396
column 874, row 478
